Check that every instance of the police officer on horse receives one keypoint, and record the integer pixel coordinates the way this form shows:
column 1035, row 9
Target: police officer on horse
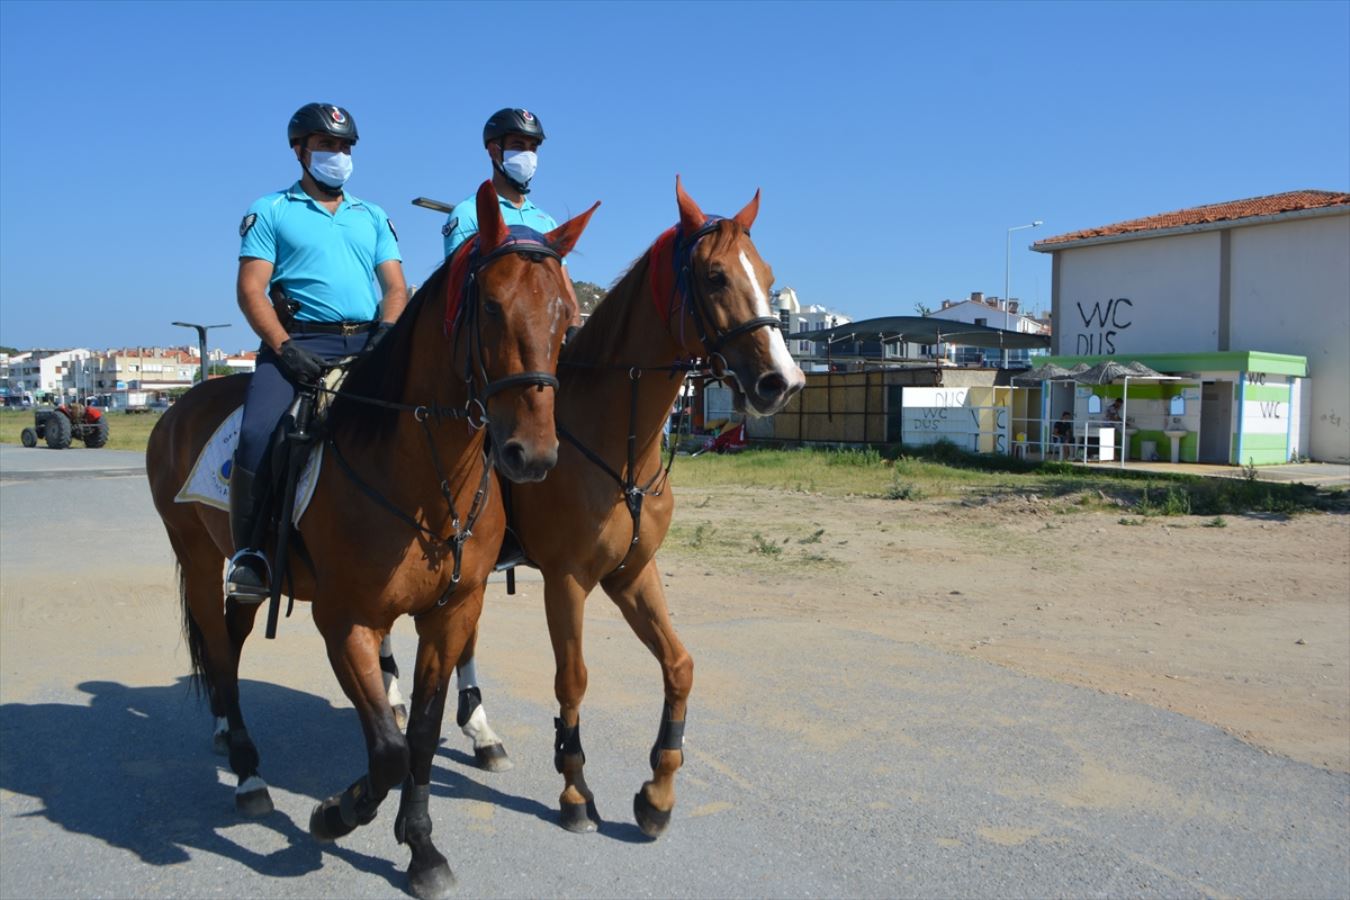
column 308, row 266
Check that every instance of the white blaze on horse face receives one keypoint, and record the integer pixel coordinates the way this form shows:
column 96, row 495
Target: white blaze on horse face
column 778, row 351
column 559, row 307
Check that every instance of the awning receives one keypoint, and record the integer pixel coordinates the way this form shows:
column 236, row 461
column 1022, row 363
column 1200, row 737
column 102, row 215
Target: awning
column 927, row 330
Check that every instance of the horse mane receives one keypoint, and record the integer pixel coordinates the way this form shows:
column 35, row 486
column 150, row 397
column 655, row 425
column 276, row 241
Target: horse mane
column 601, row 340
column 382, row 373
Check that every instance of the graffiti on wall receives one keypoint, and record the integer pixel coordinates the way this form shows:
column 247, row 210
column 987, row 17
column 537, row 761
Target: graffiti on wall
column 1101, row 324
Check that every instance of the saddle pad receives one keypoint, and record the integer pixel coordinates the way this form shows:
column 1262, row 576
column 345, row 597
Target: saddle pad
column 209, row 481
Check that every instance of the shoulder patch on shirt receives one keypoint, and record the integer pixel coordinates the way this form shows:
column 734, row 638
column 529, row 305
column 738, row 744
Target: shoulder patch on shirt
column 449, row 227
column 245, row 225
column 390, row 223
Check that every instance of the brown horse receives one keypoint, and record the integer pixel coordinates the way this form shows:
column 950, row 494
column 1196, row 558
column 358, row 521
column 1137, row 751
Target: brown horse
column 403, row 520
column 700, row 293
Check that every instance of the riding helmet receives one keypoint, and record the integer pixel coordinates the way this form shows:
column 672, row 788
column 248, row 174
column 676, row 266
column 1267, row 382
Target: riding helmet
column 321, row 118
column 512, row 121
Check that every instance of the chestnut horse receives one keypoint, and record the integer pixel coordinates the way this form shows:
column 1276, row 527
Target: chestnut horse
column 403, row 520
column 699, row 293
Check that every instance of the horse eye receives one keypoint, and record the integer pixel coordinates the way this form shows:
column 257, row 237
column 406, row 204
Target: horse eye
column 492, row 308
column 717, row 278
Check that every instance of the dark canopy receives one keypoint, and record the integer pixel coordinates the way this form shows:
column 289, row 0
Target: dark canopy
column 927, row 330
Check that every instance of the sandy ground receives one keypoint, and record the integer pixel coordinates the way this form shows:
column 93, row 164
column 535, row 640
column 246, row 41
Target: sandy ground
column 1245, row 626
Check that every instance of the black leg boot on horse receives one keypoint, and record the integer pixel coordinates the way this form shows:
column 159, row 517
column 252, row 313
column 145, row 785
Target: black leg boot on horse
column 249, row 579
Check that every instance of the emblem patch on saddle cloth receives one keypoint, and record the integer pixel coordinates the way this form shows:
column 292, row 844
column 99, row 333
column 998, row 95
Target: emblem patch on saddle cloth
column 209, row 480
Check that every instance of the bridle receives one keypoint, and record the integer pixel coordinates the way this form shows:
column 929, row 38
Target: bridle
column 697, row 303
column 467, row 317
column 713, row 340
column 474, row 411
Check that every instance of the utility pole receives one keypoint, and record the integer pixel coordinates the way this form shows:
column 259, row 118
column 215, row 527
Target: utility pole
column 201, row 342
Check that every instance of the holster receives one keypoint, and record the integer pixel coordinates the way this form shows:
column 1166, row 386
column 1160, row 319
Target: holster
column 283, row 306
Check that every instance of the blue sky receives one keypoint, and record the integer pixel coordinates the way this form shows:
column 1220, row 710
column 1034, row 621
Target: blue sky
column 894, row 143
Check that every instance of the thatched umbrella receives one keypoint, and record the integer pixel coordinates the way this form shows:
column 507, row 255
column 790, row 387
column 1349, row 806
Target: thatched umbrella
column 1047, row 372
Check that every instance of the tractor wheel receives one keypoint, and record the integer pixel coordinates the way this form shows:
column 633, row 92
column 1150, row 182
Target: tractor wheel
column 58, row 431
column 29, row 437
column 96, row 434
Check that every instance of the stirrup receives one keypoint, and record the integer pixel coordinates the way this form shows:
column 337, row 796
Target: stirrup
column 247, row 562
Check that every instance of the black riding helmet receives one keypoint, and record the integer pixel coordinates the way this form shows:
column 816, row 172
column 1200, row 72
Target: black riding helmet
column 320, row 118
column 512, row 121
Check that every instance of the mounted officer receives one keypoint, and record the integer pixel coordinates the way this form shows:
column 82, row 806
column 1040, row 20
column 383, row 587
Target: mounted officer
column 511, row 138
column 308, row 264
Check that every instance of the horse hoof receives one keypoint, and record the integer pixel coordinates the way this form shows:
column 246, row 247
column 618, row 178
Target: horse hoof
column 254, row 803
column 432, row 881
column 579, row 818
column 651, row 820
column 492, row 758
column 401, row 716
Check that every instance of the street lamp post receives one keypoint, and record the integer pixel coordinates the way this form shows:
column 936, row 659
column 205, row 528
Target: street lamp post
column 201, row 341
column 1007, row 276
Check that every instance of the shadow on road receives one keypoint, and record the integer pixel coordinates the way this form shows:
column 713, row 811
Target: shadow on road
column 452, row 783
column 134, row 768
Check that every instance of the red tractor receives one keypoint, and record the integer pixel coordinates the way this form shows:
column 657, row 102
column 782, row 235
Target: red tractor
column 73, row 421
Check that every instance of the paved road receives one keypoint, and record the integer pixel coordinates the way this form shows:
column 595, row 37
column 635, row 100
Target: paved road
column 821, row 760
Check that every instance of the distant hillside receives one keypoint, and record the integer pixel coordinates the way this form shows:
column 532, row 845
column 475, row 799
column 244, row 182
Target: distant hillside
column 589, row 295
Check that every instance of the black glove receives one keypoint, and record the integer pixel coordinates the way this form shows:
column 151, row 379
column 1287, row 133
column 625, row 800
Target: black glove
column 377, row 335
column 300, row 365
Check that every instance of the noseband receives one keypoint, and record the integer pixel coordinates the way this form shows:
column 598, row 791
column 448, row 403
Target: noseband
column 684, row 285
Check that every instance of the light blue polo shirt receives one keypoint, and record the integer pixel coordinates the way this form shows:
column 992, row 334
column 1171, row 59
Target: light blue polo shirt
column 463, row 221
column 324, row 260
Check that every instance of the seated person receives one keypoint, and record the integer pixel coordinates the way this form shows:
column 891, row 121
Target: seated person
column 1113, row 411
column 1063, row 429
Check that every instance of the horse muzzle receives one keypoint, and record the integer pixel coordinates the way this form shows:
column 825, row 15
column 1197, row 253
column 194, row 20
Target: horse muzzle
column 523, row 464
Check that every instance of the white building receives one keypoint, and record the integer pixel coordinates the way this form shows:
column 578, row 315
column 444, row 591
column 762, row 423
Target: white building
column 1267, row 275
column 995, row 312
column 801, row 320
column 39, row 372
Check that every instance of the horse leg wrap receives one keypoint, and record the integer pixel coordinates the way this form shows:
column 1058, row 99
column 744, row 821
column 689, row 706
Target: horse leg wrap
column 566, row 742
column 669, row 737
column 389, row 665
column 342, row 814
column 413, row 821
column 469, row 699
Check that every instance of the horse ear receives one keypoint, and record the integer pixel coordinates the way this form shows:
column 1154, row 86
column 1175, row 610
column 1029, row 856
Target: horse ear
column 563, row 238
column 491, row 229
column 746, row 217
column 691, row 217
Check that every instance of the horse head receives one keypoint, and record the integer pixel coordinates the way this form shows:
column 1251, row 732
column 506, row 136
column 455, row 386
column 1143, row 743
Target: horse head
column 524, row 308
column 726, row 287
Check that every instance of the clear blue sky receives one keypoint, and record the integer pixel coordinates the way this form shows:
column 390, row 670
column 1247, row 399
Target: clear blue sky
column 894, row 142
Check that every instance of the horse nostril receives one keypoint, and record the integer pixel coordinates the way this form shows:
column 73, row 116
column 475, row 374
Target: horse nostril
column 771, row 386
column 513, row 456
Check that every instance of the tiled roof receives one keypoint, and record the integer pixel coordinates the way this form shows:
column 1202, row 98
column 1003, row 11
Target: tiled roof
column 1233, row 210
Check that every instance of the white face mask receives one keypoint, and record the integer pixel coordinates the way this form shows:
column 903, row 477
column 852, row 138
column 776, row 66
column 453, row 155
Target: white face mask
column 330, row 169
column 520, row 164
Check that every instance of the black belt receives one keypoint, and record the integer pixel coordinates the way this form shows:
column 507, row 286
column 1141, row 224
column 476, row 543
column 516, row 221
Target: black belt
column 346, row 328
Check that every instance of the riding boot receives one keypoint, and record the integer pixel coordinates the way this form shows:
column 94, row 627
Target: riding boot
column 249, row 579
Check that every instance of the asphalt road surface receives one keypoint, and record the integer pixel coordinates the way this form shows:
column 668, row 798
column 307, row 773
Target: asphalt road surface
column 820, row 760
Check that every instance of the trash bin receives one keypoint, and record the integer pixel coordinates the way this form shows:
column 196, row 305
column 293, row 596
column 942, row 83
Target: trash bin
column 1148, row 451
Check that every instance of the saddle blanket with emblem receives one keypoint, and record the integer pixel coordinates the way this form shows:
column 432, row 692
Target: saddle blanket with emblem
column 209, row 481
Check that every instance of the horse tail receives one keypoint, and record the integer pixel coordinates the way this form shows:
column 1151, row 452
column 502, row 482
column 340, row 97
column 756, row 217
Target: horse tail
column 198, row 682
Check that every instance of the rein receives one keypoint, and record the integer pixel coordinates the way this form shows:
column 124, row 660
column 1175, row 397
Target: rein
column 461, row 309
